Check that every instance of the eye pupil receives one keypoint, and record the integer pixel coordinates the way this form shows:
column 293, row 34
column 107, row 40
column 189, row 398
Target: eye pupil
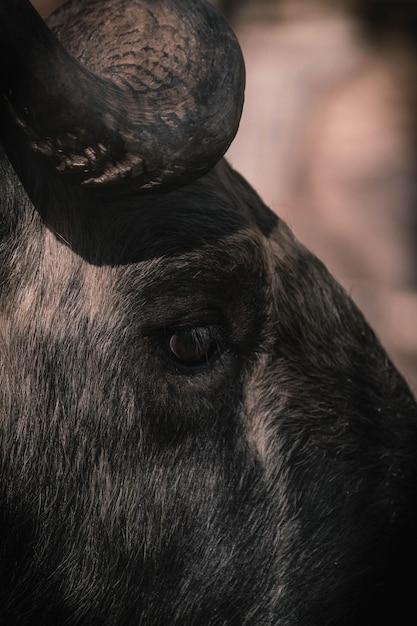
column 193, row 346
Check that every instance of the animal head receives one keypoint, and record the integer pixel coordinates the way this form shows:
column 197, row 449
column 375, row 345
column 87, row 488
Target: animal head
column 197, row 425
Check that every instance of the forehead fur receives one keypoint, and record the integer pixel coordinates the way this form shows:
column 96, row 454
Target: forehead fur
column 106, row 231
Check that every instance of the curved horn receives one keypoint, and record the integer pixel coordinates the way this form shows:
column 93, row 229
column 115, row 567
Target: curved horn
column 128, row 93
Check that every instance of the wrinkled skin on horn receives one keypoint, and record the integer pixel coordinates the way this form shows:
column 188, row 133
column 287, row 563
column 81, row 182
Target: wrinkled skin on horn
column 197, row 425
column 153, row 96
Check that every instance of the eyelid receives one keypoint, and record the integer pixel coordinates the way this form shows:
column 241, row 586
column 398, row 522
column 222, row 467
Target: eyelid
column 200, row 319
column 189, row 319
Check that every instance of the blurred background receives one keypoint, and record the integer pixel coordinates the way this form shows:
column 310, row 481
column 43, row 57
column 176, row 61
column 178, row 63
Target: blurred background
column 329, row 140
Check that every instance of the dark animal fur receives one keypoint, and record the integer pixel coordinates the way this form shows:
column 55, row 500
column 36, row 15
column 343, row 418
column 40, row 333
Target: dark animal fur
column 274, row 484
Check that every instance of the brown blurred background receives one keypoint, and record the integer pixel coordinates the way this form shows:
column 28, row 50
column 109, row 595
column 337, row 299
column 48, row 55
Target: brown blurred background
column 329, row 140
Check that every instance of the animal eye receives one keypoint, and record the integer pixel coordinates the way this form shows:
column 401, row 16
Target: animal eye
column 194, row 346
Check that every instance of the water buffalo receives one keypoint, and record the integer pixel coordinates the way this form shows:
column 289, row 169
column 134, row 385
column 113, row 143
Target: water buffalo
column 197, row 425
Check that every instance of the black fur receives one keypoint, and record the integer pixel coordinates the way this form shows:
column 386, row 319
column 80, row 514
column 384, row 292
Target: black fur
column 274, row 483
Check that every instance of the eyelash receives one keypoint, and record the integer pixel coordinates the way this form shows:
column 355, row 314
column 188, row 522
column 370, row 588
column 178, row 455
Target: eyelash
column 194, row 346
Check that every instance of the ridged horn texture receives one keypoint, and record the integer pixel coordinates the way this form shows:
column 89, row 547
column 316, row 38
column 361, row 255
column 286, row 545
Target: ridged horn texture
column 123, row 94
